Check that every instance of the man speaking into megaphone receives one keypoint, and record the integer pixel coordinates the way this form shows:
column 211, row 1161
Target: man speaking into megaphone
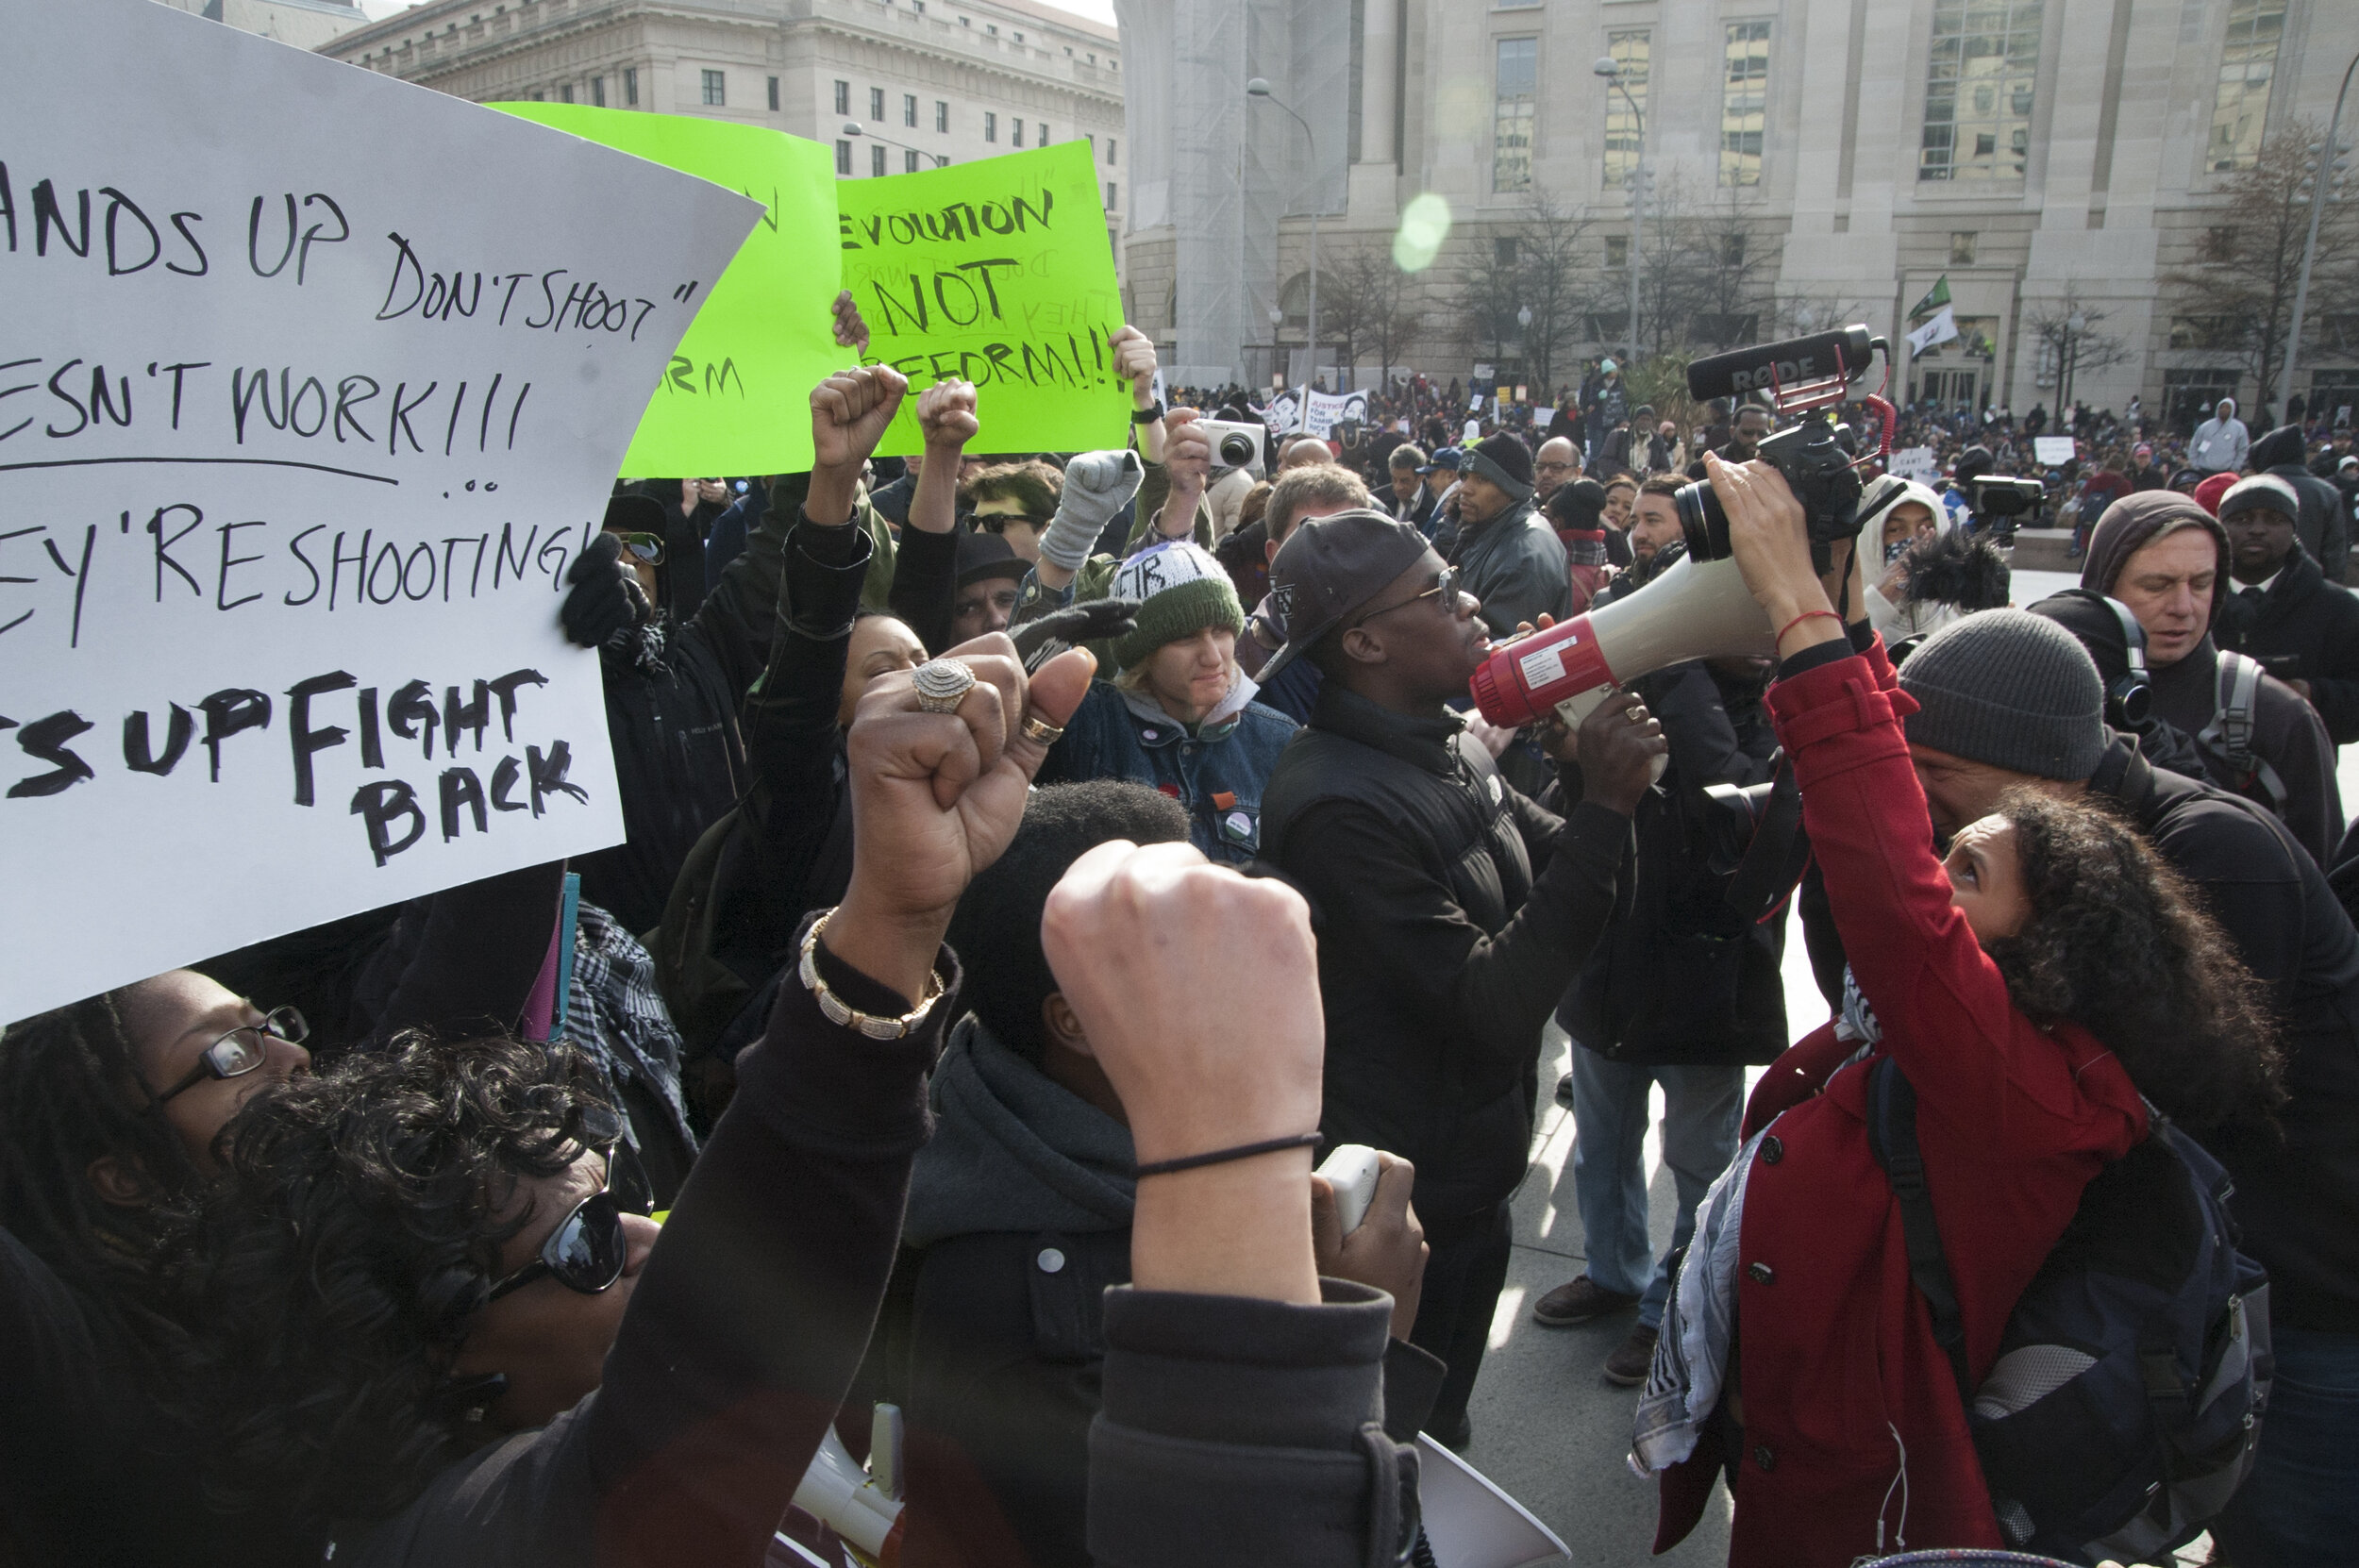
column 1454, row 911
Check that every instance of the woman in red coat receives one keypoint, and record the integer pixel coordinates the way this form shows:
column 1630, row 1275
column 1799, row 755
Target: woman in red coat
column 2030, row 987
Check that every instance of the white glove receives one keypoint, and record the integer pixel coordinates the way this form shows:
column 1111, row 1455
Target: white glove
column 1096, row 486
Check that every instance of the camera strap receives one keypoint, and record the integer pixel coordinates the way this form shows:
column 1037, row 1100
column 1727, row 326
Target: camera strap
column 1774, row 861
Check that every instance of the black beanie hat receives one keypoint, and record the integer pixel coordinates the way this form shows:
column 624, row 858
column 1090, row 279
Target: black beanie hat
column 1506, row 462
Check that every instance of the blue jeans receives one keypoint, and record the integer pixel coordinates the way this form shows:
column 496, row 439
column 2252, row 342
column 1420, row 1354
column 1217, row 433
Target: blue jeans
column 2300, row 1507
column 1703, row 1107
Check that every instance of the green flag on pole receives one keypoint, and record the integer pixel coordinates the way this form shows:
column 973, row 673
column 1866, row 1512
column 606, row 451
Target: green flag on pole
column 1933, row 300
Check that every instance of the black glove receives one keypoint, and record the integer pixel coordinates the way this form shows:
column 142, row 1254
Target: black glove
column 605, row 597
column 1091, row 621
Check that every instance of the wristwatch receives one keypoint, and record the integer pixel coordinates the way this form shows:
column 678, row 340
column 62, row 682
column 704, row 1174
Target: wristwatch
column 1148, row 415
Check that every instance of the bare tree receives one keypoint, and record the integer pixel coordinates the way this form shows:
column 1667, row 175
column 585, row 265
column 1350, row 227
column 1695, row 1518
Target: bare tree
column 1491, row 291
column 1376, row 304
column 1556, row 284
column 2237, row 296
column 2069, row 344
column 1727, row 272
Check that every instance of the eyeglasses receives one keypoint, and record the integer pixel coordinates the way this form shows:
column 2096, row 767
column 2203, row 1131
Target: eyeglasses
column 647, row 547
column 1444, row 588
column 585, row 1253
column 242, row 1050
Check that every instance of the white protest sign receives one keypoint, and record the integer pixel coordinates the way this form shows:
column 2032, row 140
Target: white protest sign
column 2052, row 449
column 313, row 385
column 1915, row 463
column 1328, row 410
column 1284, row 414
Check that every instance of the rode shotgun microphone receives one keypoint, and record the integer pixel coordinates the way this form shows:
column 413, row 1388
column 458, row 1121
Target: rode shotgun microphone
column 1781, row 369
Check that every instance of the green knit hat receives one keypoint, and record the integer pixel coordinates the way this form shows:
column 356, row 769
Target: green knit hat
column 1181, row 590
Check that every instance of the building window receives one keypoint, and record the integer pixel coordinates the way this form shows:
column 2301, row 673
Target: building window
column 1617, row 250
column 941, row 115
column 1015, row 133
column 993, row 28
column 716, row 90
column 908, row 162
column 1503, row 249
column 1019, row 38
column 1744, row 102
column 630, row 86
column 843, row 97
column 1092, row 136
column 565, row 93
column 536, row 95
column 1511, row 138
column 598, row 91
column 1112, row 148
column 991, row 126
column 1978, row 90
column 875, row 158
column 908, row 110
column 1044, row 133
column 774, row 94
column 2248, row 64
column 876, row 104
column 1630, row 50
column 843, row 158
column 1962, row 244
column 1113, row 195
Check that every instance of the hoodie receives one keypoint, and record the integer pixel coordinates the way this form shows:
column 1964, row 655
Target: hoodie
column 2288, row 733
column 2221, row 441
column 1905, row 617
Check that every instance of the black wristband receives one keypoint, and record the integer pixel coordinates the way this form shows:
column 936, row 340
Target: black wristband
column 1222, row 1157
column 1148, row 415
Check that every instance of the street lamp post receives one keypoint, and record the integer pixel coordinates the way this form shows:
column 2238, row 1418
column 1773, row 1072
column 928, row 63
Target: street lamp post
column 2330, row 154
column 1610, row 70
column 1523, row 321
column 2075, row 324
column 853, row 128
column 1259, row 88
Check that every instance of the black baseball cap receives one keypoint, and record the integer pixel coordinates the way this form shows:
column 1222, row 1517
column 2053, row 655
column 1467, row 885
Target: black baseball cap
column 1327, row 569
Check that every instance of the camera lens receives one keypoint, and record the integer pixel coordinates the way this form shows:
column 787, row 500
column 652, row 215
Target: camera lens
column 1236, row 450
column 1705, row 525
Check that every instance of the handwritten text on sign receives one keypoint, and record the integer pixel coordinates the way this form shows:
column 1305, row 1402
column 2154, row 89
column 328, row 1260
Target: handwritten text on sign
column 998, row 273
column 294, row 454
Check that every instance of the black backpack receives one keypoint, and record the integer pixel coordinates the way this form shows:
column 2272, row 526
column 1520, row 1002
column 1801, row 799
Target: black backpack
column 2125, row 1405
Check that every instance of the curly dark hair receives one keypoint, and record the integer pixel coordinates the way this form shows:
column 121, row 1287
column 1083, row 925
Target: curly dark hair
column 329, row 1277
column 71, row 1092
column 2117, row 945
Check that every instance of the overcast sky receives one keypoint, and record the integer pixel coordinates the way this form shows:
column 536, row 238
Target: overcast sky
column 1097, row 10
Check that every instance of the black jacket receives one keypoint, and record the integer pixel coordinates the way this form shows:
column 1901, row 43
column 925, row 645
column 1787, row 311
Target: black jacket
column 672, row 693
column 1454, row 912
column 992, row 1340
column 2325, row 527
column 2298, row 1204
column 1682, row 977
column 2286, row 734
column 1429, row 502
column 2313, row 623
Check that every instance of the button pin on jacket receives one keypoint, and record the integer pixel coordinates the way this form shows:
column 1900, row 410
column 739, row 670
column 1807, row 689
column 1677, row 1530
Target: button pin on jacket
column 1050, row 1260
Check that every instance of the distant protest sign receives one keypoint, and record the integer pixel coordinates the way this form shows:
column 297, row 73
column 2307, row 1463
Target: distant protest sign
column 2052, row 449
column 999, row 273
column 1324, row 410
column 1915, row 463
column 313, row 385
column 735, row 396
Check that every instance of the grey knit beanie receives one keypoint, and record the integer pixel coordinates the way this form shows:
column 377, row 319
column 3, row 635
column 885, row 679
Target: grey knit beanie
column 2009, row 690
column 1181, row 590
column 2261, row 493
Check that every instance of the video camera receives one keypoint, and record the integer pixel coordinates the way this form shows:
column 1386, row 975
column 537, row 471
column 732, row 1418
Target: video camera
column 1800, row 376
column 1993, row 497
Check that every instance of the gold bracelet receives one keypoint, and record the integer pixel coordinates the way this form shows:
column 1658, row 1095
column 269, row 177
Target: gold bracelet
column 846, row 1017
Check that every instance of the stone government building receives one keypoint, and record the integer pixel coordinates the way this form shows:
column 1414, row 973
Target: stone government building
column 926, row 81
column 2043, row 154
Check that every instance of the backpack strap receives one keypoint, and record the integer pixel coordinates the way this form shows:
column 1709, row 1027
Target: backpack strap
column 2230, row 731
column 1892, row 1134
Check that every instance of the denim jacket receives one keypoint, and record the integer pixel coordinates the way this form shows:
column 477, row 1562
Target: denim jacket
column 1216, row 770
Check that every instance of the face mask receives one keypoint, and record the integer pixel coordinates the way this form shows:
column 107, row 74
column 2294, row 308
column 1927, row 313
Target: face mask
column 1895, row 550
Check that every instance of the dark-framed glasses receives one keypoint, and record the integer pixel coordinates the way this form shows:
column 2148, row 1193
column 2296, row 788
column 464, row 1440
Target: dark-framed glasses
column 587, row 1250
column 242, row 1050
column 647, row 547
column 1444, row 588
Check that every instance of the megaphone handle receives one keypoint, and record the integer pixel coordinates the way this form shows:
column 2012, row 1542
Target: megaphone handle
column 1577, row 707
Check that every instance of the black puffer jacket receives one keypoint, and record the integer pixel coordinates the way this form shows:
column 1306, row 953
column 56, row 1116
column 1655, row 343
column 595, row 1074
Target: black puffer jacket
column 672, row 693
column 1682, row 977
column 2313, row 623
column 1454, row 912
column 2325, row 525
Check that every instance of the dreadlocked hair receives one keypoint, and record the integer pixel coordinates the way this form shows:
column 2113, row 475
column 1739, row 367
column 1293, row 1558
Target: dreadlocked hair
column 71, row 1092
column 332, row 1273
column 2117, row 945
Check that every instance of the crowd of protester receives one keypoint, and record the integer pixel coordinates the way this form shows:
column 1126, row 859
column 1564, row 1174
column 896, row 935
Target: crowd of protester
column 1032, row 858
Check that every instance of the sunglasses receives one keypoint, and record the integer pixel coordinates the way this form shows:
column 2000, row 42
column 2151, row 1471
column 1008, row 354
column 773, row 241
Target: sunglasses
column 242, row 1050
column 585, row 1253
column 1444, row 588
column 647, row 547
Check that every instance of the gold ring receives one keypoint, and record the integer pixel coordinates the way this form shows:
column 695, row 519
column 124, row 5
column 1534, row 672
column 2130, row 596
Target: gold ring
column 942, row 684
column 1042, row 730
